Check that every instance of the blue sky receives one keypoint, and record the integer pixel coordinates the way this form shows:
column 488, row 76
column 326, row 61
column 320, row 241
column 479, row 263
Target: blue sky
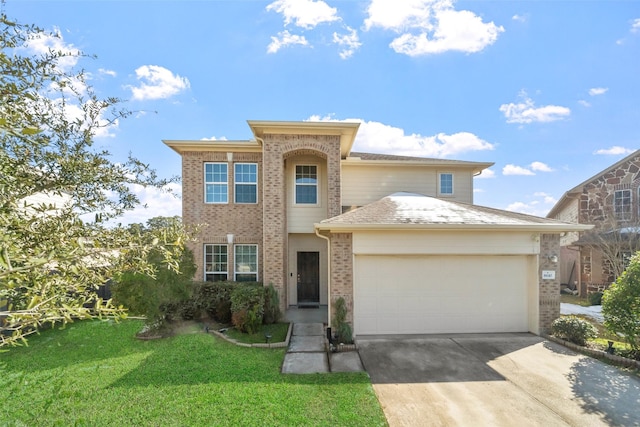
column 548, row 90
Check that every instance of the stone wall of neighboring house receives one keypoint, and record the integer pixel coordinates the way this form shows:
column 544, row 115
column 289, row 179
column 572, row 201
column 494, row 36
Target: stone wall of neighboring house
column 549, row 289
column 244, row 221
column 276, row 148
column 342, row 272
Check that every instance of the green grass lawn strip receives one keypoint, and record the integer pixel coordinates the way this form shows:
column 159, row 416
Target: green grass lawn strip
column 96, row 373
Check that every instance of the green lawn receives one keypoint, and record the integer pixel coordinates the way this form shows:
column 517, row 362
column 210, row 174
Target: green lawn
column 95, row 373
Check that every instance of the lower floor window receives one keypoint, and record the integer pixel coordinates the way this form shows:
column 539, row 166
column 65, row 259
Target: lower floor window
column 246, row 261
column 216, row 263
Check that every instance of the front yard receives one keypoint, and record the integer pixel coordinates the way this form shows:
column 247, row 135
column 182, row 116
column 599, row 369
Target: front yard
column 96, row 373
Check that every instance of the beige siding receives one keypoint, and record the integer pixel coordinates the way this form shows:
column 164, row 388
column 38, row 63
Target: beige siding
column 364, row 183
column 306, row 243
column 444, row 242
column 569, row 214
column 300, row 218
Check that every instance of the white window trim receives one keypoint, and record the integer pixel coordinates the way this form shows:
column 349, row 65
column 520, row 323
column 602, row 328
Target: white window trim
column 295, row 185
column 204, row 176
column 213, row 273
column 235, row 273
column 453, row 184
column 235, row 200
column 623, row 216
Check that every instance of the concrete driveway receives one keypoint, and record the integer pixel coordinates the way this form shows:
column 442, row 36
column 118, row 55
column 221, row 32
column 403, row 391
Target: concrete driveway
column 495, row 380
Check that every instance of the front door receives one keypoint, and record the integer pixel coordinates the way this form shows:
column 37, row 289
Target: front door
column 309, row 278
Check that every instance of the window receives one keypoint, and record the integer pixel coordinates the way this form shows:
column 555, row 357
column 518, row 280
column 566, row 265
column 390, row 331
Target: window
column 216, row 183
column 446, row 184
column 306, row 184
column 216, row 263
column 622, row 204
column 246, row 182
column 246, row 257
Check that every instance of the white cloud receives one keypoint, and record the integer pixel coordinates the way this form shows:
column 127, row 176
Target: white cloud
column 546, row 198
column 350, row 41
column 616, row 150
column 157, row 202
column 538, row 204
column 519, row 18
column 304, row 13
column 516, row 170
column 540, row 167
column 107, row 72
column 43, row 43
column 157, row 83
column 598, row 91
column 285, row 38
column 584, row 103
column 527, row 112
column 213, row 138
column 487, row 173
column 635, row 25
column 431, row 26
column 376, row 137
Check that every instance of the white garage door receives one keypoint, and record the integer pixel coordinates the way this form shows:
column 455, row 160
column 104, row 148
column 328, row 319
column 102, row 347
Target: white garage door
column 440, row 294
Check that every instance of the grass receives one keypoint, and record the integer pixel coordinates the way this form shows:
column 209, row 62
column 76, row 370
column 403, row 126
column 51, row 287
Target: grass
column 95, row 373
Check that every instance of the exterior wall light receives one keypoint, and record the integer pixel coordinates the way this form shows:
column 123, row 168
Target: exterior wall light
column 553, row 258
column 230, row 239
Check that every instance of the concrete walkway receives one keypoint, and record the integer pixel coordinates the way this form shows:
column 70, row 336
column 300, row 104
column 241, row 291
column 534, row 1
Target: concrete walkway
column 307, row 353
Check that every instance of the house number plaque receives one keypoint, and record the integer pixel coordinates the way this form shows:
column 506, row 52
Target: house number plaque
column 548, row 274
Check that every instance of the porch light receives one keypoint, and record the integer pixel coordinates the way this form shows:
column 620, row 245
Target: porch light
column 553, row 258
column 230, row 239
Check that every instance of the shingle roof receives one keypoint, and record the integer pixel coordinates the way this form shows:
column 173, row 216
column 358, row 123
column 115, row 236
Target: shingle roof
column 409, row 209
column 392, row 157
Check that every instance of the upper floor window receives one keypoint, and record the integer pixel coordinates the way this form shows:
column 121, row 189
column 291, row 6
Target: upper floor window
column 216, row 263
column 306, row 184
column 246, row 259
column 622, row 204
column 216, row 187
column 246, row 182
column 446, row 184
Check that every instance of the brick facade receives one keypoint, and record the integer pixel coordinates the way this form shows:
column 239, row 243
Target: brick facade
column 276, row 149
column 342, row 272
column 216, row 221
column 549, row 290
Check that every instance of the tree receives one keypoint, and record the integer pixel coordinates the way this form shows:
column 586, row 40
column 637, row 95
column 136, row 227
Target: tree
column 51, row 260
column 154, row 296
column 621, row 304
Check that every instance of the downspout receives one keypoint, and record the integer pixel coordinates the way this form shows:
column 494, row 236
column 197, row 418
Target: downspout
column 328, row 275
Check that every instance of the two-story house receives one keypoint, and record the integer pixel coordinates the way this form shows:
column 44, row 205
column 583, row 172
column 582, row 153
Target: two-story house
column 610, row 200
column 397, row 237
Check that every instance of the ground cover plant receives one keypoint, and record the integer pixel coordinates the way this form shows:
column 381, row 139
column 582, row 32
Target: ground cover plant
column 96, row 373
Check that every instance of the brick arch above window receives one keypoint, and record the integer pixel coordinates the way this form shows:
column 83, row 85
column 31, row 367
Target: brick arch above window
column 304, row 152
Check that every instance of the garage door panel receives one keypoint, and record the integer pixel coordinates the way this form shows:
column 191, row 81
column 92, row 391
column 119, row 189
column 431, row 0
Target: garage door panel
column 440, row 294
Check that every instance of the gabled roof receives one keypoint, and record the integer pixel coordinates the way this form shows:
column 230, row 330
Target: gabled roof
column 416, row 211
column 357, row 158
column 568, row 195
column 345, row 130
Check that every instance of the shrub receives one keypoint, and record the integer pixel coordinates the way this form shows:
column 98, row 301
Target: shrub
column 272, row 311
column 595, row 298
column 621, row 304
column 247, row 306
column 343, row 331
column 215, row 299
column 573, row 329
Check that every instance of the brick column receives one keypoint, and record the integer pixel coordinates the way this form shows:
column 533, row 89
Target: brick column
column 342, row 272
column 549, row 288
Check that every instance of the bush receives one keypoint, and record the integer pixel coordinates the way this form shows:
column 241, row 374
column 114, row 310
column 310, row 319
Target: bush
column 595, row 298
column 272, row 311
column 215, row 299
column 247, row 307
column 343, row 331
column 621, row 304
column 573, row 329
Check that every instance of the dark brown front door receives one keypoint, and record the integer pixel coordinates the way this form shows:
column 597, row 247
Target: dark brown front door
column 308, row 278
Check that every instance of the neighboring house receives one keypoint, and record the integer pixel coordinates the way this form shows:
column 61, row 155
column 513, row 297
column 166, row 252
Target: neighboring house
column 610, row 200
column 397, row 237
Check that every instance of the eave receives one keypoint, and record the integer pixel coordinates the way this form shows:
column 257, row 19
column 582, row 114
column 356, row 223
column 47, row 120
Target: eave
column 182, row 146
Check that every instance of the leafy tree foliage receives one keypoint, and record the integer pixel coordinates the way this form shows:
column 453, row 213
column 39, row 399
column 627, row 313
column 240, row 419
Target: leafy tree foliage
column 153, row 296
column 50, row 259
column 621, row 304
